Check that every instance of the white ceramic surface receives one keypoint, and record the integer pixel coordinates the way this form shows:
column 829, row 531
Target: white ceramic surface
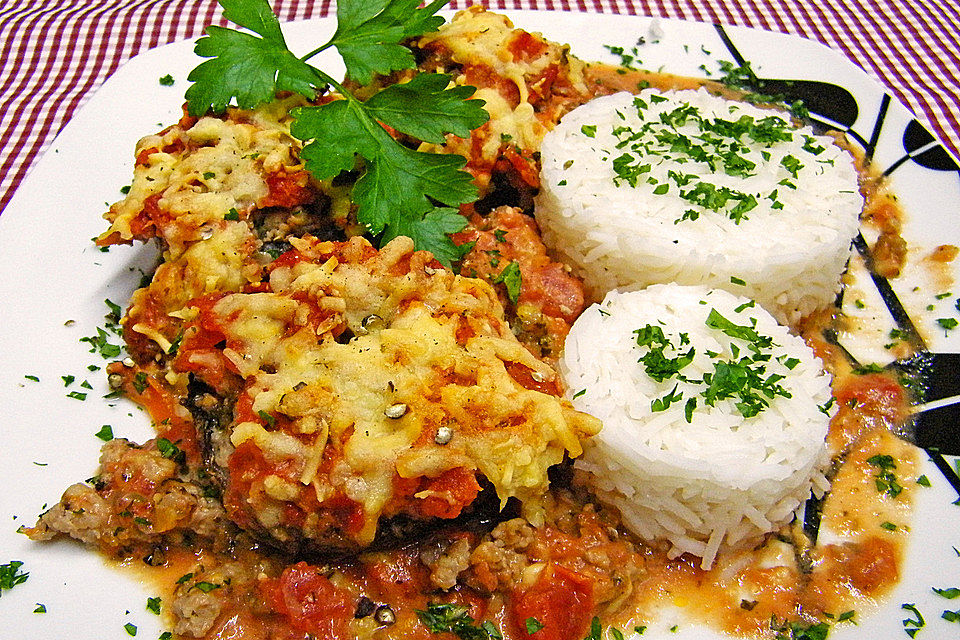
column 53, row 282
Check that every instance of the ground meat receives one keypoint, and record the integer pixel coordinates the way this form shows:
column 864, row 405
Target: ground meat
column 549, row 298
column 196, row 612
column 81, row 514
column 136, row 504
column 499, row 561
column 210, row 589
column 889, row 255
column 448, row 562
column 575, row 537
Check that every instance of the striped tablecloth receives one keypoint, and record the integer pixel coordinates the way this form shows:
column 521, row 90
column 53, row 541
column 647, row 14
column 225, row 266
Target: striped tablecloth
column 55, row 53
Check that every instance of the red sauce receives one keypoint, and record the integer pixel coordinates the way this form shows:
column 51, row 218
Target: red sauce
column 449, row 493
column 560, row 600
column 309, row 601
column 288, row 190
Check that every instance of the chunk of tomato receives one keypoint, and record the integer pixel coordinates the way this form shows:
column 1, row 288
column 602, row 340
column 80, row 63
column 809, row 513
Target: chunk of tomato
column 560, row 600
column 311, row 602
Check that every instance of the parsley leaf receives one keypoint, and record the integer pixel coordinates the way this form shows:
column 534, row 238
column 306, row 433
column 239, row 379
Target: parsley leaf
column 424, row 108
column 10, row 575
column 401, row 191
column 246, row 67
column 511, row 278
column 395, row 191
column 369, row 33
column 453, row 618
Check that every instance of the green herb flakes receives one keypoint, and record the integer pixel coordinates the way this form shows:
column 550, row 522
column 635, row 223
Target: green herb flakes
column 950, row 593
column 105, row 433
column 166, row 81
column 205, row 586
column 100, row 344
column 175, row 345
column 267, row 418
column 885, row 479
column 596, row 631
column 510, row 277
column 912, row 625
column 532, row 625
column 798, row 631
column 153, row 605
column 140, row 381
column 170, row 451
column 947, row 323
column 40, row 608
column 130, row 628
column 11, row 576
column 455, row 619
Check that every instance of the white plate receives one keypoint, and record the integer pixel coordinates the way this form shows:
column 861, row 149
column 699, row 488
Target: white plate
column 53, row 282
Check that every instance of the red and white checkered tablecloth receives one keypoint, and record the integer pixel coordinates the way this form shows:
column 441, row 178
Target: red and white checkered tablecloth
column 55, row 53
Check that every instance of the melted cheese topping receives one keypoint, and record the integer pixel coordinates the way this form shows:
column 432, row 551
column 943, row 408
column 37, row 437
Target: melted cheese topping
column 196, row 172
column 223, row 262
column 431, row 349
column 476, row 37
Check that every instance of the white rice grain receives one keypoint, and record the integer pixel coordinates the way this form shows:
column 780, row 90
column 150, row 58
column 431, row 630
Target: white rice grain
column 789, row 249
column 709, row 478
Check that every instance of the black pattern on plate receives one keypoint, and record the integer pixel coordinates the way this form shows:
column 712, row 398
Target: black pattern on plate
column 889, row 297
column 923, row 149
column 948, row 472
column 830, row 105
column 936, row 429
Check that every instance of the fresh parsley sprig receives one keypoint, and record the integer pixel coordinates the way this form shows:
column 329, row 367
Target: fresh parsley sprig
column 401, row 191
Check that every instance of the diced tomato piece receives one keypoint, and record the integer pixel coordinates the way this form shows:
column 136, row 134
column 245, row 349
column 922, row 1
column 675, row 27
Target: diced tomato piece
column 288, row 190
column 347, row 512
column 451, row 491
column 525, row 46
column 311, row 602
column 561, row 600
column 876, row 395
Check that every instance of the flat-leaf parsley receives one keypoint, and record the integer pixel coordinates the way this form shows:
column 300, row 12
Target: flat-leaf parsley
column 400, row 191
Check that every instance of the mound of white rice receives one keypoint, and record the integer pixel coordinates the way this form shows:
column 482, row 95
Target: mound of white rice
column 688, row 187
column 697, row 472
